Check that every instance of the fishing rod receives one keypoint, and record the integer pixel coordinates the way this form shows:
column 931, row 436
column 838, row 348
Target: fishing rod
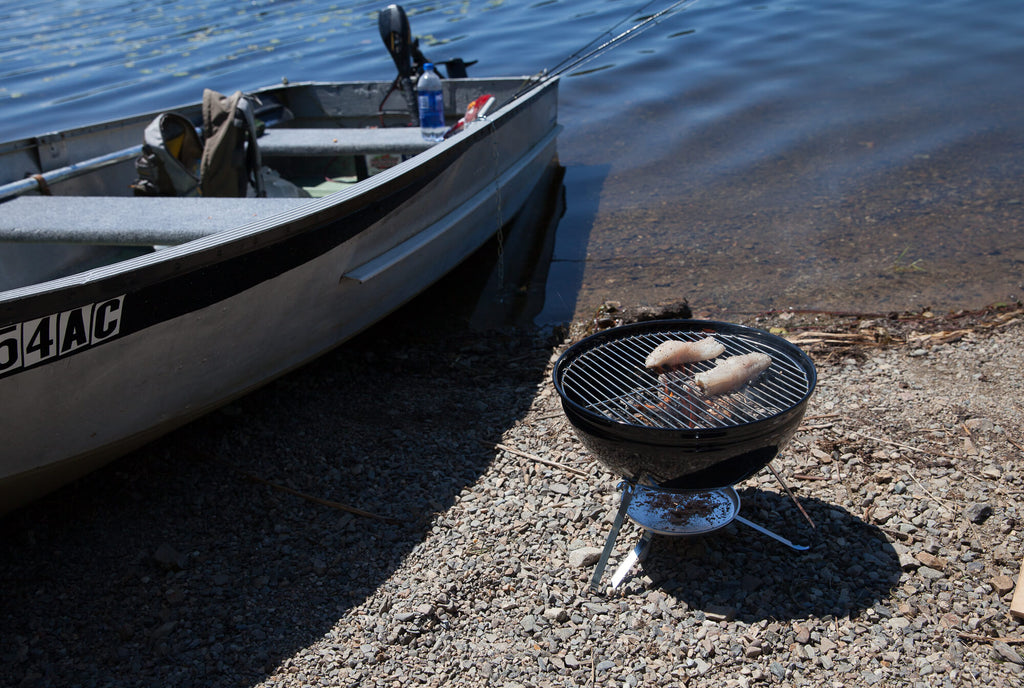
column 589, row 53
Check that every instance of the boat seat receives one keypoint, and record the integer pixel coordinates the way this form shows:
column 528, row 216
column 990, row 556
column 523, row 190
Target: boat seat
column 332, row 142
column 130, row 220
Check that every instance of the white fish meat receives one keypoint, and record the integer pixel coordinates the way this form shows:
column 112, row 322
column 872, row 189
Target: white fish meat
column 675, row 353
column 732, row 373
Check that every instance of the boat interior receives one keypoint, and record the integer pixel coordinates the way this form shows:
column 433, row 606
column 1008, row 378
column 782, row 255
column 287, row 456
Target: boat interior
column 72, row 205
column 74, row 200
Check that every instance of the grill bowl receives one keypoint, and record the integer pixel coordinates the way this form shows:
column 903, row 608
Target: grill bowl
column 606, row 393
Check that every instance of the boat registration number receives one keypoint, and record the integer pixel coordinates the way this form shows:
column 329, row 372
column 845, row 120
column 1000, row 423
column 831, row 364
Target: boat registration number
column 29, row 343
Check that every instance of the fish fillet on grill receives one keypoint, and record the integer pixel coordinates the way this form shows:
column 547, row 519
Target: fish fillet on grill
column 732, row 373
column 675, row 353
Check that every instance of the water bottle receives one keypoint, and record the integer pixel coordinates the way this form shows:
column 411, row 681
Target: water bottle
column 431, row 104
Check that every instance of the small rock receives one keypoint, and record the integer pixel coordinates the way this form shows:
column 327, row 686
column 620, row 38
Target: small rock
column 529, row 623
column 992, row 472
column 584, row 556
column 1002, row 584
column 977, row 513
column 556, row 614
column 979, row 424
column 822, row 456
column 871, row 678
column 931, row 561
column 163, row 630
column 899, row 623
column 716, row 612
column 882, row 515
column 1006, row 652
column 803, row 634
column 750, row 582
column 908, row 562
column 170, row 558
column 949, row 620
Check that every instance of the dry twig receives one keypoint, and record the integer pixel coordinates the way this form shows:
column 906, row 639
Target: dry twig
column 989, row 638
column 323, row 502
column 534, row 457
column 908, row 447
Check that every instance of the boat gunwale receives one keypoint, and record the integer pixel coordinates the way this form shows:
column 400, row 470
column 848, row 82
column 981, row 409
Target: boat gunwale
column 318, row 216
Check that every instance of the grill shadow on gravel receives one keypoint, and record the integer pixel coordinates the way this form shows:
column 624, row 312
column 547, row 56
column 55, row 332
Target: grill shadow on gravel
column 738, row 571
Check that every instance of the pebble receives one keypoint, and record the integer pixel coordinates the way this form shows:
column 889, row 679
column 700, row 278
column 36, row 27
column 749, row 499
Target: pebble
column 803, row 635
column 556, row 614
column 931, row 561
column 1002, row 584
column 977, row 513
column 177, row 571
column 1006, row 652
column 584, row 556
column 170, row 558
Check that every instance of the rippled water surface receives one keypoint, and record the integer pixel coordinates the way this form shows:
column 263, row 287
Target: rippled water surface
column 744, row 155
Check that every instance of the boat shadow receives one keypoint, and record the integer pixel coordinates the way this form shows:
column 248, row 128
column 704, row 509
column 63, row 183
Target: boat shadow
column 737, row 572
column 218, row 552
column 558, row 294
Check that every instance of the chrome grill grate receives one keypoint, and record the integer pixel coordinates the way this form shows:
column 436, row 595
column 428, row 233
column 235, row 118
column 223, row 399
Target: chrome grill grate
column 610, row 379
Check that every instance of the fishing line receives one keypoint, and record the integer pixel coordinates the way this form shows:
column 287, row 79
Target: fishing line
column 644, row 23
column 589, row 53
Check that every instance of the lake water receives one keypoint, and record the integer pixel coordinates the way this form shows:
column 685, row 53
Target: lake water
column 858, row 156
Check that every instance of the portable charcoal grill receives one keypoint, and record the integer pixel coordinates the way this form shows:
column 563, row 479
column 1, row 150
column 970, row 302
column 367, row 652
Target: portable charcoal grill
column 674, row 446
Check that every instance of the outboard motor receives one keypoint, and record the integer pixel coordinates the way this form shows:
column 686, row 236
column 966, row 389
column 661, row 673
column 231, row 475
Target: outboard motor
column 405, row 51
column 394, row 31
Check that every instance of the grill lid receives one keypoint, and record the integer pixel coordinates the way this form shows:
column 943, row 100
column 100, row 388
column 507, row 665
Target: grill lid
column 609, row 379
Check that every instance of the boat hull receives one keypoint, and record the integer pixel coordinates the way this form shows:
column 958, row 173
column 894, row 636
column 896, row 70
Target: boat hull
column 98, row 363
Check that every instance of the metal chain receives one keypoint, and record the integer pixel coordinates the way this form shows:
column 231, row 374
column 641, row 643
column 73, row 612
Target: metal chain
column 501, row 220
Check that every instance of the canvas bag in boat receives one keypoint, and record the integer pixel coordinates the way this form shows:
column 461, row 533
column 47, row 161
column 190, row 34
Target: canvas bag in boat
column 170, row 160
column 231, row 158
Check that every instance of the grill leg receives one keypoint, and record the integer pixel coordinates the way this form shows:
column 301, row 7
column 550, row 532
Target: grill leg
column 776, row 536
column 636, row 554
column 609, row 543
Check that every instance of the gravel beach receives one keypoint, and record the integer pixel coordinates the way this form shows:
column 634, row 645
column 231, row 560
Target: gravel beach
column 413, row 509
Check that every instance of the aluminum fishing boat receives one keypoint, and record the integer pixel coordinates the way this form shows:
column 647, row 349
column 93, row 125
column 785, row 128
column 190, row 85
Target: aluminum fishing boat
column 124, row 316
